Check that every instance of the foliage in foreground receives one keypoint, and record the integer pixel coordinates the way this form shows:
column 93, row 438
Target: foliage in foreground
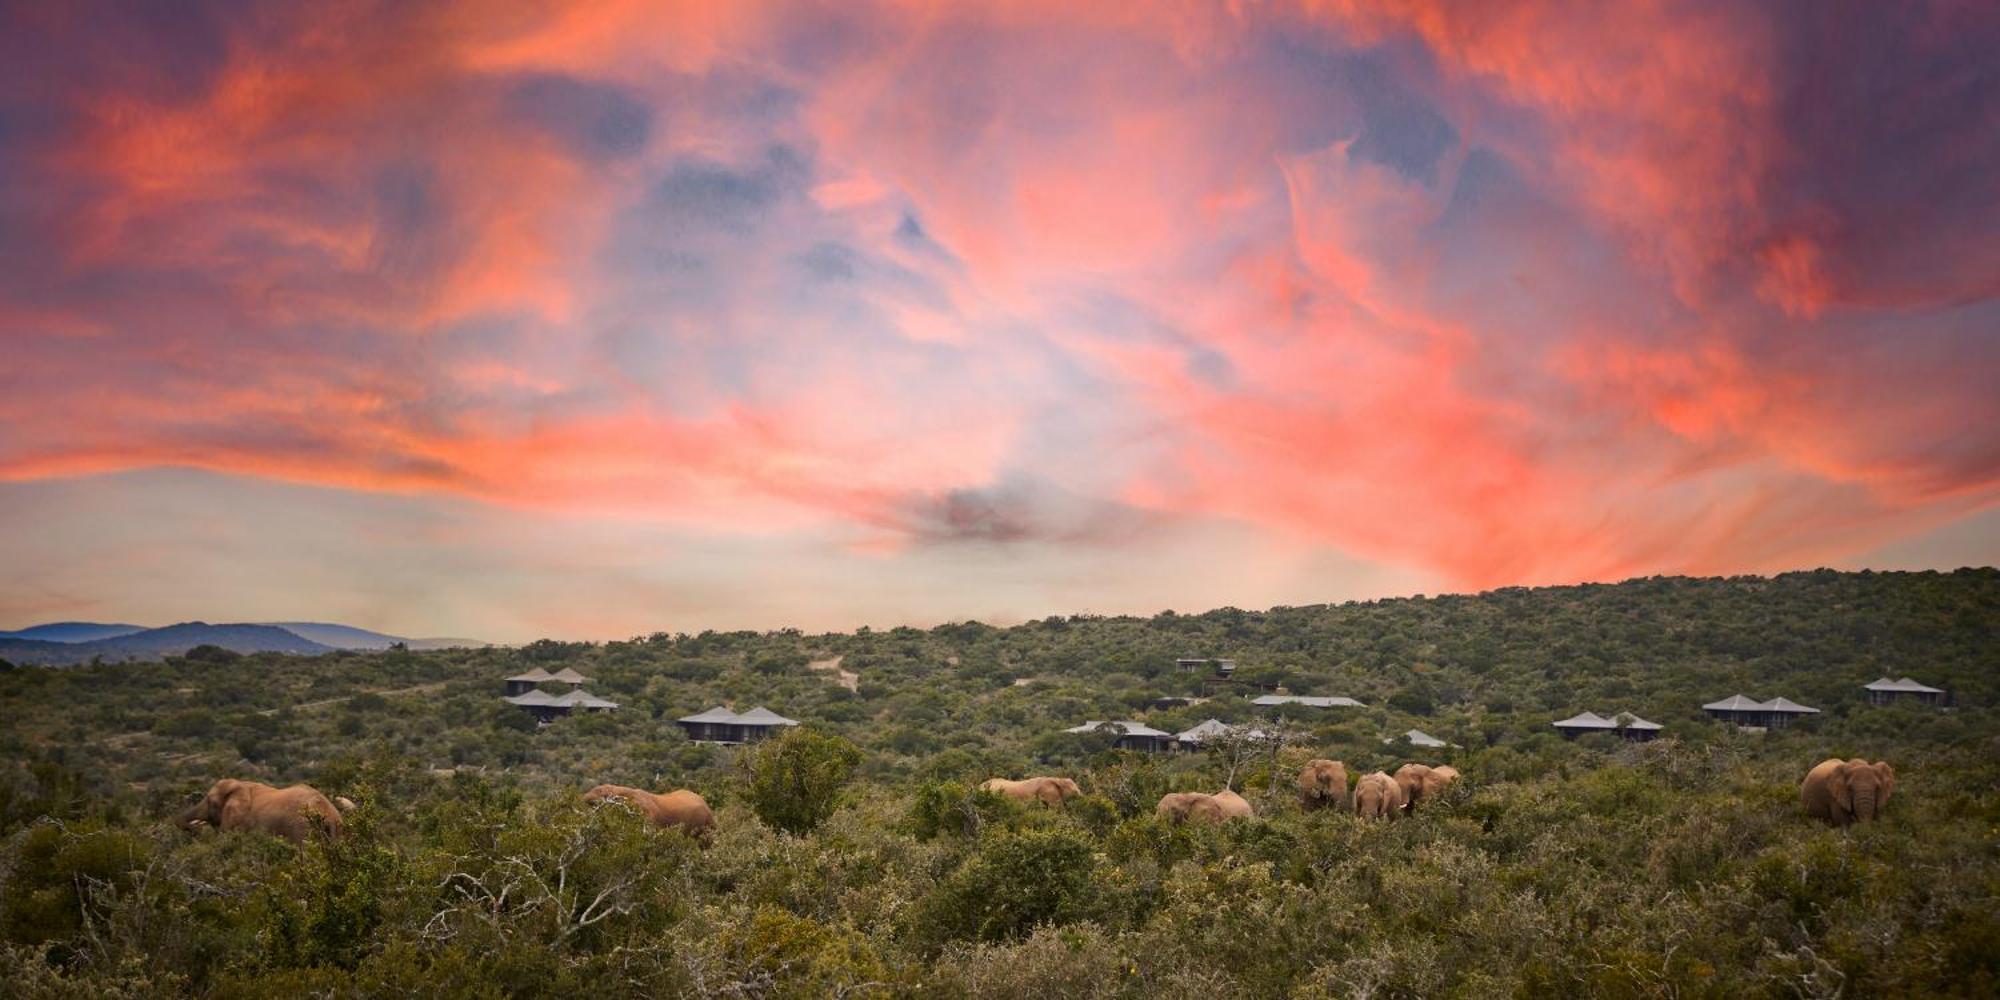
column 1683, row 867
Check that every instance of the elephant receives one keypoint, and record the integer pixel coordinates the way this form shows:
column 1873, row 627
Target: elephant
column 295, row 813
column 1048, row 791
column 1234, row 806
column 1419, row 782
column 1201, row 807
column 1842, row 792
column 679, row 808
column 1323, row 783
column 1377, row 796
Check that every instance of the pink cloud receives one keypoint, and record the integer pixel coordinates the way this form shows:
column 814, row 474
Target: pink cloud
column 1491, row 291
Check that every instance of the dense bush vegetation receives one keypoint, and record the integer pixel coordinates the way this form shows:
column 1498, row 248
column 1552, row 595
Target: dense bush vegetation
column 859, row 859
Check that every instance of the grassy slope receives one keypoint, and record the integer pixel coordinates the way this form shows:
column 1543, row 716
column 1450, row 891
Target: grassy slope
column 1560, row 867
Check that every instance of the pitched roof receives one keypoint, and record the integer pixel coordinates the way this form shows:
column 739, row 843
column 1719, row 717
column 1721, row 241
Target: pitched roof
column 1626, row 720
column 1587, row 720
column 1418, row 737
column 1735, row 703
column 718, row 714
column 1212, row 729
column 1216, row 729
column 1308, row 700
column 568, row 676
column 532, row 698
column 1905, row 684
column 761, row 716
column 1128, row 727
column 535, row 676
column 1788, row 706
column 579, row 698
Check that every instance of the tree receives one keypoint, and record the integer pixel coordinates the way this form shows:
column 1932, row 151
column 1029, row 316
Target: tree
column 793, row 782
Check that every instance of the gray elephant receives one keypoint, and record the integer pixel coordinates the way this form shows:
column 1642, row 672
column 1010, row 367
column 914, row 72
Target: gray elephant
column 1842, row 792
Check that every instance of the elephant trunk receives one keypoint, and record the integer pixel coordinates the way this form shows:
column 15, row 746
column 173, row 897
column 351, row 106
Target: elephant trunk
column 1864, row 805
column 191, row 818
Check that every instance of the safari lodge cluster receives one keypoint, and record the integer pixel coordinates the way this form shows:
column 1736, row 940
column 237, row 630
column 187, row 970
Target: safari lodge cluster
column 723, row 725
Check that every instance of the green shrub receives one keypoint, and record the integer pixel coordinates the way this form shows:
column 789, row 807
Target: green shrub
column 793, row 782
column 1011, row 884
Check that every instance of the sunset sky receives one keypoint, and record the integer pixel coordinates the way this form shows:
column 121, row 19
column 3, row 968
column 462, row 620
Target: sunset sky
column 522, row 319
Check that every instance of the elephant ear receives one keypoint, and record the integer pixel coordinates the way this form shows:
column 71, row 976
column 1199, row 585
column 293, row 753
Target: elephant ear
column 1843, row 795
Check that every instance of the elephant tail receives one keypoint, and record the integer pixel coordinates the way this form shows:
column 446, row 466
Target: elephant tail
column 343, row 803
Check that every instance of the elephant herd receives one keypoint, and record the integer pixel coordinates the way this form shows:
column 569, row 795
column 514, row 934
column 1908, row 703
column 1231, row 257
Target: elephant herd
column 299, row 811
column 1322, row 784
column 1838, row 792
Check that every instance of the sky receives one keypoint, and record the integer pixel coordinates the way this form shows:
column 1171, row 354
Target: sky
column 523, row 319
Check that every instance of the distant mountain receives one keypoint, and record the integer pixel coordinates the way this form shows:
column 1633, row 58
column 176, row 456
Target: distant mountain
column 339, row 636
column 73, row 631
column 349, row 637
column 159, row 643
column 60, row 643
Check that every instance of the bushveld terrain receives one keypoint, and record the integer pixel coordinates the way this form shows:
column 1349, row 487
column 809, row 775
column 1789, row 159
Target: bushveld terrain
column 855, row 858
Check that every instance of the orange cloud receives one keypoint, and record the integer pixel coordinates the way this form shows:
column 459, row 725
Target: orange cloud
column 1492, row 291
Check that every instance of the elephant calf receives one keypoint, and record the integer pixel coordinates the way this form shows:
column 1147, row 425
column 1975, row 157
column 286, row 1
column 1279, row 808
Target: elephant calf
column 293, row 813
column 1377, row 796
column 1323, row 784
column 1201, row 807
column 1048, row 791
column 1843, row 792
column 679, row 808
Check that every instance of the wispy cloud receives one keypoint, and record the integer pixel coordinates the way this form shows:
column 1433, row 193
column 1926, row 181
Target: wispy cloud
column 1478, row 293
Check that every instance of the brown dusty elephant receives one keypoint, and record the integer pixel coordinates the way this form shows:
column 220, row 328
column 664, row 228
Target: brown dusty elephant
column 1377, row 796
column 679, row 808
column 1847, row 791
column 1420, row 782
column 293, row 813
column 1201, row 807
column 1234, row 806
column 1048, row 791
column 1323, row 784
